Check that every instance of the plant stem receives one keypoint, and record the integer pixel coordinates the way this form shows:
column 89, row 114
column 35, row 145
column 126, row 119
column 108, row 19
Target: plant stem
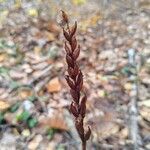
column 83, row 145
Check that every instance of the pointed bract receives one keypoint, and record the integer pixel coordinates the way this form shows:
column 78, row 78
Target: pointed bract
column 65, row 17
column 67, row 49
column 70, row 83
column 71, row 72
column 83, row 106
column 74, row 110
column 69, row 60
column 79, row 78
column 73, row 30
column 76, row 70
column 73, row 43
column 66, row 35
column 76, row 52
column 75, row 95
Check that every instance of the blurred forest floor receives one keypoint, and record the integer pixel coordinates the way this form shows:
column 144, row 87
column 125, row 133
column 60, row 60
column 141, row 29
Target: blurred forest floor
column 115, row 58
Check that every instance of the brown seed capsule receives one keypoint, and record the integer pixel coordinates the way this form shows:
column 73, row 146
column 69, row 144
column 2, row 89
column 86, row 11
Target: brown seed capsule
column 73, row 43
column 70, row 83
column 76, row 53
column 68, row 50
column 79, row 79
column 83, row 106
column 75, row 95
column 74, row 110
column 71, row 72
column 87, row 134
column 66, row 35
column 69, row 61
column 80, row 85
column 76, row 70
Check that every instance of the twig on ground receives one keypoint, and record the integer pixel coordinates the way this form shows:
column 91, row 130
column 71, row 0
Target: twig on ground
column 133, row 108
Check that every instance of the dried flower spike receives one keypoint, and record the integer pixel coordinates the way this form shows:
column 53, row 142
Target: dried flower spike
column 75, row 80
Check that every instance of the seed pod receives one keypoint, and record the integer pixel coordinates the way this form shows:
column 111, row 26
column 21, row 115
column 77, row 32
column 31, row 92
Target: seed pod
column 68, row 50
column 76, row 53
column 70, row 83
column 83, row 106
column 66, row 35
column 69, row 61
column 87, row 134
column 74, row 110
column 73, row 30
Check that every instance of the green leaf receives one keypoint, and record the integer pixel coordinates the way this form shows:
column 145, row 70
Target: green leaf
column 24, row 116
column 4, row 70
column 53, row 52
column 1, row 117
column 60, row 147
column 32, row 98
column 32, row 122
column 14, row 107
column 14, row 85
column 50, row 133
column 125, row 70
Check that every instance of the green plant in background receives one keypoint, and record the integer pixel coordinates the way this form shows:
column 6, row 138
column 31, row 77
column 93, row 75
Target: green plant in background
column 32, row 98
column 1, row 117
column 24, row 116
column 4, row 71
column 27, row 118
column 50, row 133
column 32, row 122
column 60, row 147
column 14, row 107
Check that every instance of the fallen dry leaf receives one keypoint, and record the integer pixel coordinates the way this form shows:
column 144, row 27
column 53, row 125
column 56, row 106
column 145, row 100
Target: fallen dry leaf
column 101, row 93
column 35, row 142
column 4, row 105
column 124, row 133
column 54, row 85
column 106, row 129
column 145, row 103
column 37, row 50
column 50, row 36
column 26, row 133
column 128, row 86
column 145, row 113
column 25, row 93
column 53, row 27
column 3, row 57
column 33, row 12
column 54, row 122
